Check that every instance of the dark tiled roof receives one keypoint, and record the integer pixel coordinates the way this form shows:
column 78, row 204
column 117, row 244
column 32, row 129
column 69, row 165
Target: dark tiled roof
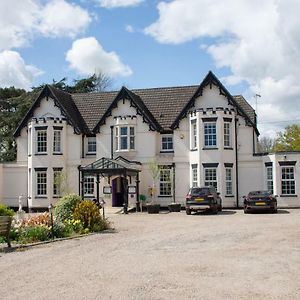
column 92, row 106
column 241, row 101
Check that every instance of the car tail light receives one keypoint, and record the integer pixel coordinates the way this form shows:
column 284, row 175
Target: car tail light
column 210, row 196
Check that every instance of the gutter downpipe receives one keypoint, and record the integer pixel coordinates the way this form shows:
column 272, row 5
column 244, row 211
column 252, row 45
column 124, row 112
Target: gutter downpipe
column 236, row 165
column 111, row 142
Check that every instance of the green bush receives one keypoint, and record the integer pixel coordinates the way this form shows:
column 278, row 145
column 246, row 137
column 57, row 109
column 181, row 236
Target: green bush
column 64, row 208
column 32, row 234
column 89, row 215
column 6, row 211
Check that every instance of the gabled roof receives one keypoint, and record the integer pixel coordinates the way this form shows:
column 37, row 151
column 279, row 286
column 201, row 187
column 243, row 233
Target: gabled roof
column 136, row 102
column 162, row 108
column 239, row 102
column 62, row 100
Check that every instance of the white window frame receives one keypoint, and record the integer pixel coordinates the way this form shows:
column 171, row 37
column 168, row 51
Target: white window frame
column 227, row 135
column 41, row 141
column 91, row 145
column 129, row 137
column 56, row 188
column 211, row 177
column 269, row 179
column 211, row 141
column 89, row 186
column 167, row 143
column 194, row 175
column 228, row 181
column 57, row 141
column 194, row 133
column 165, row 181
column 41, row 183
column 290, row 182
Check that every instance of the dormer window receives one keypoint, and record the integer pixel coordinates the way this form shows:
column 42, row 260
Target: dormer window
column 91, row 145
column 125, row 138
column 41, row 140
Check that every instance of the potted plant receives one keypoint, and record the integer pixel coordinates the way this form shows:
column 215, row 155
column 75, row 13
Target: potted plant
column 143, row 199
column 174, row 207
column 152, row 207
column 6, row 215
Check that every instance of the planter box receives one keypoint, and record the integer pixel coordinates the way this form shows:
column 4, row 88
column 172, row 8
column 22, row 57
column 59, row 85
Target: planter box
column 153, row 208
column 5, row 224
column 174, row 207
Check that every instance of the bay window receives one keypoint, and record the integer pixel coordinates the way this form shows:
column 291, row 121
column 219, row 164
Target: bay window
column 41, row 141
column 125, row 138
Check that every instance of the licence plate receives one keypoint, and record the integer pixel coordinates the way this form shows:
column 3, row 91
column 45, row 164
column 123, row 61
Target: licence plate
column 260, row 203
column 199, row 199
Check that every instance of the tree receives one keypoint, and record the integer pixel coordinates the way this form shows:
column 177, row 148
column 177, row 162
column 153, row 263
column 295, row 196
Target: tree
column 266, row 144
column 289, row 140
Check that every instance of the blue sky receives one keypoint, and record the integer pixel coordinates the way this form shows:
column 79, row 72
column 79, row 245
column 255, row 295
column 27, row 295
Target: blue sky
column 141, row 43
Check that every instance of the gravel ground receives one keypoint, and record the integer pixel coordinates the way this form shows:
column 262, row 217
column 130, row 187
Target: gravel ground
column 165, row 256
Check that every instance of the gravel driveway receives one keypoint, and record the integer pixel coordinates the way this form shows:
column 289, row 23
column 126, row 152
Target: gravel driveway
column 165, row 256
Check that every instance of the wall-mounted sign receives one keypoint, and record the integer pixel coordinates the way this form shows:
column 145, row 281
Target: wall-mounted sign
column 107, row 189
column 131, row 189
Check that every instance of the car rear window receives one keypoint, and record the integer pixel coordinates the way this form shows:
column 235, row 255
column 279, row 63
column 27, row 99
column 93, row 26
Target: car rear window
column 200, row 191
column 259, row 193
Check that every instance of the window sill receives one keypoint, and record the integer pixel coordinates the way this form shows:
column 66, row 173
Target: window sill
column 90, row 154
column 229, row 196
column 44, row 153
column 288, row 196
column 165, row 196
column 89, row 196
column 57, row 153
column 194, row 149
column 125, row 150
column 208, row 148
column 228, row 148
column 166, row 151
column 41, row 197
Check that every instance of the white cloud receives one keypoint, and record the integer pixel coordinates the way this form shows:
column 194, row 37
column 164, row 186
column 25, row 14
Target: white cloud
column 119, row 3
column 259, row 46
column 87, row 57
column 60, row 18
column 20, row 20
column 14, row 71
column 129, row 28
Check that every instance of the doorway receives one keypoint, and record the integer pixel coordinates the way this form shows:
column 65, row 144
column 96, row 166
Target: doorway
column 119, row 191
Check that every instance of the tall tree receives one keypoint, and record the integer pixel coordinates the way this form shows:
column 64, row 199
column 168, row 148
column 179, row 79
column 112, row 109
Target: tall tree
column 266, row 144
column 289, row 139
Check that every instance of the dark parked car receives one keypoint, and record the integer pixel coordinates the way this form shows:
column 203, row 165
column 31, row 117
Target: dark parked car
column 203, row 198
column 260, row 200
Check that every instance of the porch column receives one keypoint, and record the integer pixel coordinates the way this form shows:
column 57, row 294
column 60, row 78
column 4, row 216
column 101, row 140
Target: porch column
column 125, row 194
column 97, row 190
column 82, row 185
column 137, row 189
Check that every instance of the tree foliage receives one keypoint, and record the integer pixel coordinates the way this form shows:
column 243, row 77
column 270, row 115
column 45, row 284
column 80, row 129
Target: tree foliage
column 289, row 139
column 14, row 103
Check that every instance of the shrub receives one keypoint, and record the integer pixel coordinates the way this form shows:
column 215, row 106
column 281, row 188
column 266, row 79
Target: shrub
column 36, row 233
column 6, row 211
column 73, row 226
column 64, row 208
column 88, row 213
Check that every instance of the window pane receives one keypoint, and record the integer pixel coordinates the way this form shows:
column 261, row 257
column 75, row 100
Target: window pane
column 210, row 134
column 41, row 183
column 210, row 177
column 41, row 141
column 165, row 185
column 124, row 143
column 57, row 141
column 123, row 130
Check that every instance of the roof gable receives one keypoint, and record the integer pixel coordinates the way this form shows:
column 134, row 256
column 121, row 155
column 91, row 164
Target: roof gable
column 136, row 102
column 210, row 80
column 62, row 100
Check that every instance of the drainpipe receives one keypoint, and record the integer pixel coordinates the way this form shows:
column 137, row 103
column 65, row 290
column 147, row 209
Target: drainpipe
column 79, row 182
column 236, row 164
column 111, row 142
column 174, row 196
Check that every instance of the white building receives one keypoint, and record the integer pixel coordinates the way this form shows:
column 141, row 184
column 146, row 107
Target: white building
column 199, row 135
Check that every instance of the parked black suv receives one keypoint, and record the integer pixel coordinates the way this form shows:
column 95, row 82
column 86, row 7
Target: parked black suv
column 203, row 198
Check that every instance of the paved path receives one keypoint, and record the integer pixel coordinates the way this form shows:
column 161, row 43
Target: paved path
column 165, row 256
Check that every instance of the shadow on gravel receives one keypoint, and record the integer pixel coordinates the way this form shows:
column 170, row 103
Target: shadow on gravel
column 280, row 211
column 220, row 213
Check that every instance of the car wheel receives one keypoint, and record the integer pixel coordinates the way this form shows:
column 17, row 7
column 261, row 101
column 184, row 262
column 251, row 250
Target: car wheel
column 188, row 211
column 220, row 208
column 246, row 211
column 275, row 211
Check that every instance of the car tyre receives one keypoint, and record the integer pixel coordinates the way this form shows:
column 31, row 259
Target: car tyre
column 188, row 211
column 220, row 208
column 246, row 211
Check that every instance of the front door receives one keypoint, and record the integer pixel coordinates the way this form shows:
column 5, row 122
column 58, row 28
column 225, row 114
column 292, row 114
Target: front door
column 118, row 191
